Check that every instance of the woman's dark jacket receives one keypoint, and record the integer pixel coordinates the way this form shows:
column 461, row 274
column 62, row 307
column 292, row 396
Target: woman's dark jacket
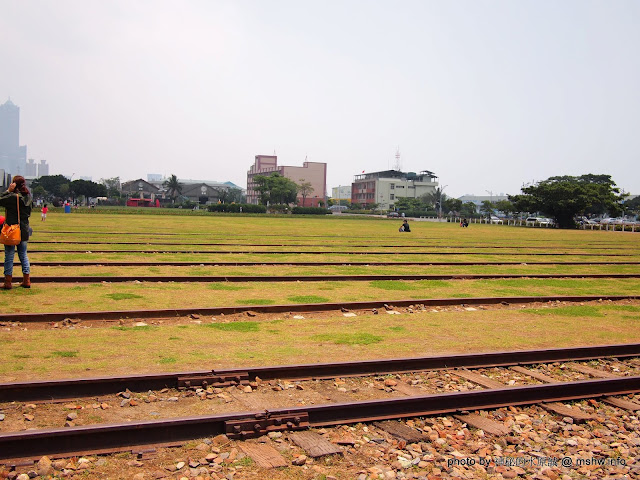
column 8, row 201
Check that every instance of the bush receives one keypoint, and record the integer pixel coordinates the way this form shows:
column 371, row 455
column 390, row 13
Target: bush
column 310, row 211
column 279, row 208
column 237, row 208
column 419, row 213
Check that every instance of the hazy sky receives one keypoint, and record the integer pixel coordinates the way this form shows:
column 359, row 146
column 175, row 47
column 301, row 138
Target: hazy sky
column 487, row 94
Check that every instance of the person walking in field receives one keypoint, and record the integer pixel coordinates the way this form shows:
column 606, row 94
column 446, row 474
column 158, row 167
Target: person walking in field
column 44, row 212
column 17, row 190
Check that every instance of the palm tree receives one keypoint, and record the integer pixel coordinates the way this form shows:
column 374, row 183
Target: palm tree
column 173, row 186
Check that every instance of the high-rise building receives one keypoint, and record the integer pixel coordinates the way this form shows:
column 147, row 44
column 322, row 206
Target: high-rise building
column 31, row 168
column 43, row 168
column 13, row 156
column 314, row 173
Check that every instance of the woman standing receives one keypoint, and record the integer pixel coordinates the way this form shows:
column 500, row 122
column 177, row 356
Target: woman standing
column 18, row 189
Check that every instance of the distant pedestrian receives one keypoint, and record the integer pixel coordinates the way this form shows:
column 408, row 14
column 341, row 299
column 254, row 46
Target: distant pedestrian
column 45, row 209
column 17, row 190
column 464, row 223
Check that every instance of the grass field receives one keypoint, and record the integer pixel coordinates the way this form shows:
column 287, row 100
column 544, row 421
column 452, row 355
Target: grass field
column 36, row 352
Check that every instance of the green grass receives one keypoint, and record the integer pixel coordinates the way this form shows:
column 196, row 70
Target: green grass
column 141, row 328
column 234, row 326
column 392, row 285
column 256, row 301
column 568, row 311
column 122, row 296
column 308, row 299
column 348, row 338
column 168, row 360
column 64, row 353
column 397, row 329
column 224, row 286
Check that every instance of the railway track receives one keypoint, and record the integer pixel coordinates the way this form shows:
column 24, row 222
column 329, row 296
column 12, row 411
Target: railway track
column 87, row 387
column 487, row 394
column 299, row 307
column 333, row 252
column 313, row 278
column 106, row 263
column 333, row 244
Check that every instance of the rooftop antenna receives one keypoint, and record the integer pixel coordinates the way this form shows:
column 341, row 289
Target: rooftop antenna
column 398, row 165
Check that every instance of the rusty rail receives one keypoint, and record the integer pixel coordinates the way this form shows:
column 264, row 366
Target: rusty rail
column 333, row 252
column 84, row 387
column 316, row 278
column 298, row 307
column 333, row 244
column 107, row 263
column 92, row 439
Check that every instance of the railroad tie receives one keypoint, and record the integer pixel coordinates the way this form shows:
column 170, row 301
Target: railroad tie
column 577, row 415
column 479, row 379
column 314, row 444
column 620, row 403
column 534, row 374
column 594, row 372
column 401, row 431
column 485, row 424
column 265, row 456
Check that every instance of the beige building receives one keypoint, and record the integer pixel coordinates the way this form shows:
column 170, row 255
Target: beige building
column 314, row 173
column 385, row 187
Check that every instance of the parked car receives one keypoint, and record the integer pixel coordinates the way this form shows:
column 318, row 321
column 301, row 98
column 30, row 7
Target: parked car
column 495, row 219
column 545, row 221
column 393, row 214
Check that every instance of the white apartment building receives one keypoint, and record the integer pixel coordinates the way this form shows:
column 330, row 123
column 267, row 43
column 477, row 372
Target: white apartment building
column 385, row 187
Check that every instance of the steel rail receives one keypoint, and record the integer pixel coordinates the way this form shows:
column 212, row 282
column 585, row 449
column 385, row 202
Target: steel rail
column 350, row 245
column 108, row 263
column 93, row 439
column 86, row 387
column 316, row 278
column 334, row 252
column 298, row 307
column 236, row 235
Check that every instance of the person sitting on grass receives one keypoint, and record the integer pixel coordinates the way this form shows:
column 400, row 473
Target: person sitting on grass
column 405, row 227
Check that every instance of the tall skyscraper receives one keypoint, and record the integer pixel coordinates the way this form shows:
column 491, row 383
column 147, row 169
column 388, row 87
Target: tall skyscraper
column 13, row 156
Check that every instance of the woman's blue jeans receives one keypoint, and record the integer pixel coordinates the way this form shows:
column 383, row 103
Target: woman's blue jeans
column 9, row 253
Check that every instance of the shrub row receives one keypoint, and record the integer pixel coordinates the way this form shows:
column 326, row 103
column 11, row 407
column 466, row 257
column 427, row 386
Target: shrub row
column 310, row 211
column 237, row 208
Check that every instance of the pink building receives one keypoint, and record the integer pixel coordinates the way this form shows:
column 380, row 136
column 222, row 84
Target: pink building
column 314, row 173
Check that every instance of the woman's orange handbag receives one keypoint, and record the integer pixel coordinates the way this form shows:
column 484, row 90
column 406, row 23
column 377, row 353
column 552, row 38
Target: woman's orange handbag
column 10, row 234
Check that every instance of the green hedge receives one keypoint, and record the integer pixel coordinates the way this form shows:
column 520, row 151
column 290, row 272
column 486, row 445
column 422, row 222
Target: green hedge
column 310, row 211
column 237, row 208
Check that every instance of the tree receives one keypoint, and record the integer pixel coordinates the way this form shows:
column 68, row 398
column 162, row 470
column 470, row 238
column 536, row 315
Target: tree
column 632, row 207
column 275, row 189
column 468, row 209
column 487, row 208
column 504, row 206
column 112, row 185
column 564, row 197
column 451, row 205
column 304, row 189
column 234, row 195
column 87, row 188
column 173, row 186
column 409, row 204
column 52, row 184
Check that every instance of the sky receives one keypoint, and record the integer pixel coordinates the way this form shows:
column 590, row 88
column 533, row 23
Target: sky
column 488, row 95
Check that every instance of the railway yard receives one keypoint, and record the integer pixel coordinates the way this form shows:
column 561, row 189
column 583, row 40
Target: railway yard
column 205, row 347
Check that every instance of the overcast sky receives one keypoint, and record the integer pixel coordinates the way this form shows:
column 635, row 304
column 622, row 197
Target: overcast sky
column 487, row 94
